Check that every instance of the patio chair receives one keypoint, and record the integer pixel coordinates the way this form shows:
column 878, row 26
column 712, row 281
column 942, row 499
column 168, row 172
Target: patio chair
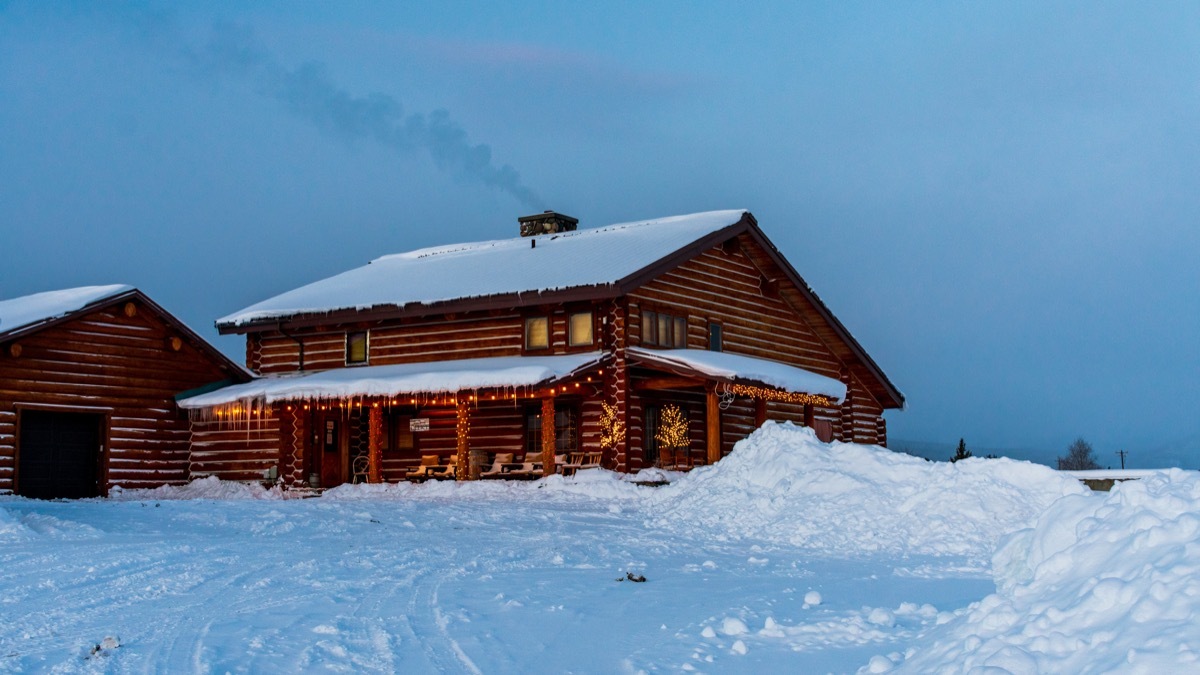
column 425, row 470
column 360, row 469
column 498, row 467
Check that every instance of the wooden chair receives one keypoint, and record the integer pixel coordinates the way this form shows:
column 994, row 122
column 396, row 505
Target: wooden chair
column 497, row 469
column 426, row 469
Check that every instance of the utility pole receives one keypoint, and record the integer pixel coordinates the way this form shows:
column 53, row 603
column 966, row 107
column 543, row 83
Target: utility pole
column 1122, row 453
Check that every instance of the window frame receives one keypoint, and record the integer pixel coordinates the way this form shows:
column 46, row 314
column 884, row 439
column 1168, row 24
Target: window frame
column 571, row 314
column 653, row 321
column 366, row 360
column 719, row 333
column 528, row 319
column 533, row 422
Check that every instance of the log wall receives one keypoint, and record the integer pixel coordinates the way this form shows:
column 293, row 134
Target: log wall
column 731, row 287
column 124, row 366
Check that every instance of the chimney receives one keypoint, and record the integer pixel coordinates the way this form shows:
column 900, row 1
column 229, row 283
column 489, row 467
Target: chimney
column 547, row 222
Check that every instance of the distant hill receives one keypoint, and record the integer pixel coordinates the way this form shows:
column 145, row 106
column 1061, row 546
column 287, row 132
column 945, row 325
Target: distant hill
column 942, row 452
column 1183, row 453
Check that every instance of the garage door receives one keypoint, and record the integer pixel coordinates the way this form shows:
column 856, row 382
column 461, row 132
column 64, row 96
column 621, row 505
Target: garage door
column 58, row 454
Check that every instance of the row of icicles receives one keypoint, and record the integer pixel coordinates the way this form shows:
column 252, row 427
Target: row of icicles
column 249, row 410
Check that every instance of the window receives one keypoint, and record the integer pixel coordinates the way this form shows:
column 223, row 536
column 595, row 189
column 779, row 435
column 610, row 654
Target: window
column 537, row 332
column 356, row 348
column 579, row 329
column 664, row 330
column 714, row 337
column 566, row 430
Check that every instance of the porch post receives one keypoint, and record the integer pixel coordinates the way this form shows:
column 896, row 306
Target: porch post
column 463, row 432
column 760, row 412
column 375, row 446
column 549, row 442
column 713, row 419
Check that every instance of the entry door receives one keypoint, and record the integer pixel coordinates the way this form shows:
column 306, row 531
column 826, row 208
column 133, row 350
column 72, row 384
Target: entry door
column 59, row 454
column 331, row 445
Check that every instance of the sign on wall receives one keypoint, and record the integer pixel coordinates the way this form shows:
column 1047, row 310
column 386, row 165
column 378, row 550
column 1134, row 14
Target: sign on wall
column 418, row 424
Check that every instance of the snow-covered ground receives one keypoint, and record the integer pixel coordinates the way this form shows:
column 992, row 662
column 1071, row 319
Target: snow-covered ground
column 789, row 556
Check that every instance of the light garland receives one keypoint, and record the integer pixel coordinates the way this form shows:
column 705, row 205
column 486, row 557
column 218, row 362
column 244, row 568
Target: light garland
column 779, row 395
column 612, row 428
column 672, row 428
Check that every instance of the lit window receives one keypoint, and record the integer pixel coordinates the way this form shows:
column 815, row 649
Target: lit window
column 714, row 337
column 680, row 332
column 664, row 330
column 356, row 347
column 537, row 332
column 580, row 329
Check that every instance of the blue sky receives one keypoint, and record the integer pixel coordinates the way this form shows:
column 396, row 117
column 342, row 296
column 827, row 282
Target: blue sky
column 997, row 199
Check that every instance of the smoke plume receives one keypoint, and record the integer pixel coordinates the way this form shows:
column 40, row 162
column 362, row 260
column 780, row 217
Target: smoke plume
column 308, row 92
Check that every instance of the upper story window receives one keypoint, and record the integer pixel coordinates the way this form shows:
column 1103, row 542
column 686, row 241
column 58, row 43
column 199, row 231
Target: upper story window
column 537, row 332
column 714, row 336
column 664, row 330
column 579, row 329
column 356, row 348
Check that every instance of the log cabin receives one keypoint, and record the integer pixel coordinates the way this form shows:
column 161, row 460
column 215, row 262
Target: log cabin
column 652, row 343
column 88, row 381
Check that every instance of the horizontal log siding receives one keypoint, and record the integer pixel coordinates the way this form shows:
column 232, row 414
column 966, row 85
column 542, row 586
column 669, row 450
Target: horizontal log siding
column 235, row 449
column 725, row 288
column 109, row 361
column 476, row 335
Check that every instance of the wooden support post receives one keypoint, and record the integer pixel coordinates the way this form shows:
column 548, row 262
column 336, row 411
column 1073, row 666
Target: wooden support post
column 760, row 412
column 463, row 433
column 549, row 442
column 713, row 420
column 375, row 446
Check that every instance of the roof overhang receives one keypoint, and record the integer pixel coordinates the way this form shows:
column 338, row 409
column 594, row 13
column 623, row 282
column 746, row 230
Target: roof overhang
column 746, row 374
column 508, row 373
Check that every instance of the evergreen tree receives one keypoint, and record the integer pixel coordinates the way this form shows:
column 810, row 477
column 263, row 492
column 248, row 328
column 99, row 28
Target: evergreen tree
column 962, row 452
column 1079, row 457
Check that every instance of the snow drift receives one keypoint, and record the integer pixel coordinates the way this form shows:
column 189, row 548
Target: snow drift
column 1100, row 584
column 784, row 485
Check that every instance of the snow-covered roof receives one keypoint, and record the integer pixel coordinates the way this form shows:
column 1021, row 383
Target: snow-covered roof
column 726, row 366
column 402, row 379
column 583, row 258
column 32, row 309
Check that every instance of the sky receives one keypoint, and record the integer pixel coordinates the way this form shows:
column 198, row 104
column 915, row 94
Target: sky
column 997, row 199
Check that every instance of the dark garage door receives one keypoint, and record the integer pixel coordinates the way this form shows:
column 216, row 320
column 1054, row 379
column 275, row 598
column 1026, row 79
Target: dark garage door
column 59, row 454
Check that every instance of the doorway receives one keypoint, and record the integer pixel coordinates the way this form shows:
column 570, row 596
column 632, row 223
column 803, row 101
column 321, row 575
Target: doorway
column 59, row 454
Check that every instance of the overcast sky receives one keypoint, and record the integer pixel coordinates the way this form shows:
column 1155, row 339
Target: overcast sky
column 998, row 199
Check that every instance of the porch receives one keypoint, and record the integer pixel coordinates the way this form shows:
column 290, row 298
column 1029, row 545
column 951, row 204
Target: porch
column 516, row 417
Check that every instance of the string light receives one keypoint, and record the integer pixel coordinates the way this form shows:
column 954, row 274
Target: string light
column 778, row 395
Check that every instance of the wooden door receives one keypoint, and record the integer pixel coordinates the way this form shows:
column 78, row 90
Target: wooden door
column 331, row 447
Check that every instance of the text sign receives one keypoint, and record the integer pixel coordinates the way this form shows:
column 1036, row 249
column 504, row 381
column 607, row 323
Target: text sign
column 418, row 424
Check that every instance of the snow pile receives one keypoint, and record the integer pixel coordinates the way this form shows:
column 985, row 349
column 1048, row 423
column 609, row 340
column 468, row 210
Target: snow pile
column 209, row 487
column 782, row 484
column 11, row 529
column 1100, row 584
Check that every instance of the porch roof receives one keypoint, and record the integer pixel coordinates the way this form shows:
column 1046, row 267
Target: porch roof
column 438, row 377
column 723, row 366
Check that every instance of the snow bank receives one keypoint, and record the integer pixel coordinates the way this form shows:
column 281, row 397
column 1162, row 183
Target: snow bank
column 1100, row 584
column 209, row 487
column 782, row 484
column 11, row 529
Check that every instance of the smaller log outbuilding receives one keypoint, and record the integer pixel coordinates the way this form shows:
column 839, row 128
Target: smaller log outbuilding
column 88, row 382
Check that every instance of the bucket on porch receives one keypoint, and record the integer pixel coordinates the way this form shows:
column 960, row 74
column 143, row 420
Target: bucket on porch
column 475, row 463
column 314, row 480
